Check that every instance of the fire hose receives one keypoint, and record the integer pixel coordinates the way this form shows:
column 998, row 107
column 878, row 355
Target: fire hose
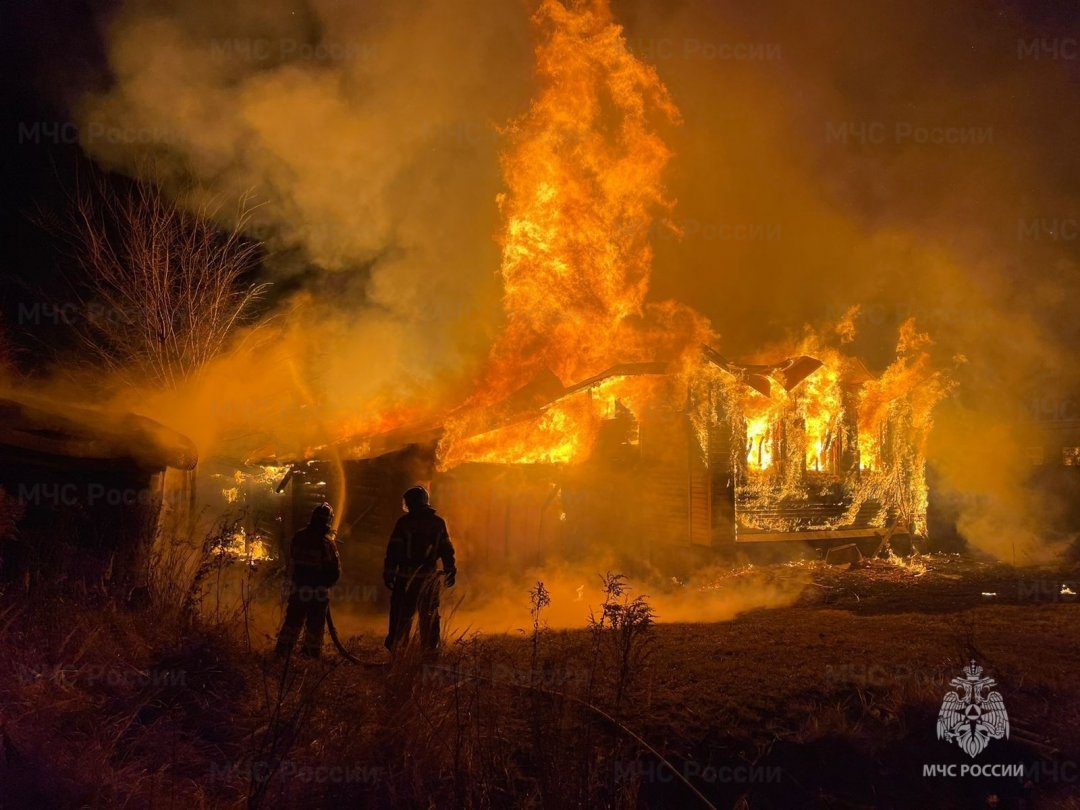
column 352, row 659
column 348, row 656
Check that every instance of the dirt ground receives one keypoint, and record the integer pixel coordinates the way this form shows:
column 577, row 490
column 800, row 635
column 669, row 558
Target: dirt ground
column 833, row 701
column 839, row 694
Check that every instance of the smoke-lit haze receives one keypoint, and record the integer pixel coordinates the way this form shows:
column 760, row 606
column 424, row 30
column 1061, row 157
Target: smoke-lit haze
column 367, row 135
column 366, row 139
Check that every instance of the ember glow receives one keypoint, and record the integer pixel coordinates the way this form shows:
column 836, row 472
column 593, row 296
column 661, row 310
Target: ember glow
column 249, row 549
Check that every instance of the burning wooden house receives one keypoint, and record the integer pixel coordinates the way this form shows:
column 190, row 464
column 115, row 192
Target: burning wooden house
column 576, row 438
column 658, row 460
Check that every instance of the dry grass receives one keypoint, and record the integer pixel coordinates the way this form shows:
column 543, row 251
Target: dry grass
column 827, row 704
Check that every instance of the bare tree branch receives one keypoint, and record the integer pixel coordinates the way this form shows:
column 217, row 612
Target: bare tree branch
column 163, row 289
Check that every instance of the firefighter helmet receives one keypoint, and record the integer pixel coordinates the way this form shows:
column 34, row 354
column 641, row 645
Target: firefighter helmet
column 415, row 498
column 322, row 515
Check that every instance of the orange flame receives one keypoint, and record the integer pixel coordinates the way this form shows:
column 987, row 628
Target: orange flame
column 583, row 173
column 895, row 419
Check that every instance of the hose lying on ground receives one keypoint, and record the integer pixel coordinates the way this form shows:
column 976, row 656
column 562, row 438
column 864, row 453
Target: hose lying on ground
column 348, row 656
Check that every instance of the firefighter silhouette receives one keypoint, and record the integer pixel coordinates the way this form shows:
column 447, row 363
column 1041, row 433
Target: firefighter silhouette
column 419, row 541
column 314, row 567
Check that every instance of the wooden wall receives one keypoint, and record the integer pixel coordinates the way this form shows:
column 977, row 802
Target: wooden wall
column 500, row 513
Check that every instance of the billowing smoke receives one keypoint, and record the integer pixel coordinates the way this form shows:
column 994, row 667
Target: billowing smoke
column 364, row 138
column 915, row 160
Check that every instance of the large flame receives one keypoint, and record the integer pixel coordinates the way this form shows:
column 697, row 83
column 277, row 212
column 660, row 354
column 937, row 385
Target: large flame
column 896, row 415
column 561, row 432
column 583, row 171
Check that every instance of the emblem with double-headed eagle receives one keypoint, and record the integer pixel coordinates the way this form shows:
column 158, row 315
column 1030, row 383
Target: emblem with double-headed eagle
column 968, row 717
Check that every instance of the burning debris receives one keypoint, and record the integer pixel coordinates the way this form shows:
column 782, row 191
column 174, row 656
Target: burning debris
column 251, row 550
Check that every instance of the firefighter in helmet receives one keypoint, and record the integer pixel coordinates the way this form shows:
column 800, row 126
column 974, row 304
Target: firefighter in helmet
column 314, row 568
column 419, row 541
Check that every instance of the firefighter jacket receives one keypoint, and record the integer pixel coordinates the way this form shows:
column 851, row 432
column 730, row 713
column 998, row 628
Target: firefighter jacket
column 314, row 557
column 419, row 540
